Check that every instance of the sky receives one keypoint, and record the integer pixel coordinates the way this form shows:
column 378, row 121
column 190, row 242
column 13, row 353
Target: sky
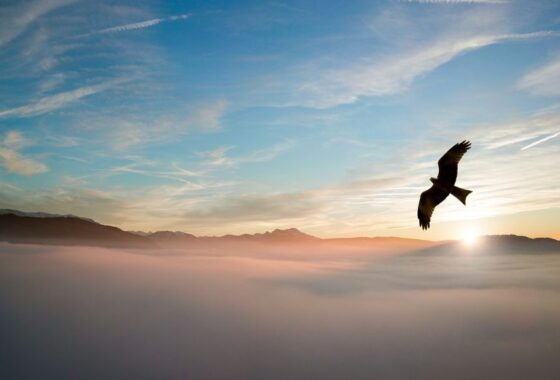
column 216, row 117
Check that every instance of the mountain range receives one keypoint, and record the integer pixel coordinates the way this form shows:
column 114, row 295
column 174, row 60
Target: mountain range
column 43, row 228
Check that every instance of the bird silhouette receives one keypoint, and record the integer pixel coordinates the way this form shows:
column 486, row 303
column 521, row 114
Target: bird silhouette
column 444, row 184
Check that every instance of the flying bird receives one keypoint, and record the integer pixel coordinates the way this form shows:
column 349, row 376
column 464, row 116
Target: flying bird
column 444, row 184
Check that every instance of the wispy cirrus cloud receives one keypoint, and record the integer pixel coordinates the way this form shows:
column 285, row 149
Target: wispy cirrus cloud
column 15, row 140
column 17, row 18
column 544, row 81
column 127, row 130
column 506, row 134
column 409, row 43
column 51, row 82
column 252, row 207
column 395, row 73
column 197, row 172
column 16, row 163
column 176, row 173
column 218, row 157
column 56, row 101
column 141, row 24
column 13, row 161
column 207, row 116
column 337, row 206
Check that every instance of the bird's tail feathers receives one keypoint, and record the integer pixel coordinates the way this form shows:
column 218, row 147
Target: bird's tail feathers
column 460, row 194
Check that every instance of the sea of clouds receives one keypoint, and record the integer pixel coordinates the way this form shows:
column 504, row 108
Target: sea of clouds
column 93, row 313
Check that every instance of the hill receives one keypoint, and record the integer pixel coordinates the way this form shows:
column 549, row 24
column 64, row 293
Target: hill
column 40, row 228
column 497, row 244
column 171, row 239
column 43, row 228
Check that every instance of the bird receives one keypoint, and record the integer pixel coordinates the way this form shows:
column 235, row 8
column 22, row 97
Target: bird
column 444, row 184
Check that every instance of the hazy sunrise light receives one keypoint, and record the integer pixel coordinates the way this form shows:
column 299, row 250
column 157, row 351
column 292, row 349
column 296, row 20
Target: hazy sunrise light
column 280, row 189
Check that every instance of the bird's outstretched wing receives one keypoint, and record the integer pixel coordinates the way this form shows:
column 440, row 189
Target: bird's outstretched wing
column 448, row 162
column 429, row 199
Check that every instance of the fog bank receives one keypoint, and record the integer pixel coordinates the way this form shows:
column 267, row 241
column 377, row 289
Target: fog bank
column 94, row 313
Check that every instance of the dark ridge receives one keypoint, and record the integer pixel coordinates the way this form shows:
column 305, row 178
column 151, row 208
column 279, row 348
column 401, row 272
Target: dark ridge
column 66, row 230
column 42, row 228
column 521, row 242
column 173, row 239
column 39, row 214
column 502, row 244
column 290, row 235
column 278, row 235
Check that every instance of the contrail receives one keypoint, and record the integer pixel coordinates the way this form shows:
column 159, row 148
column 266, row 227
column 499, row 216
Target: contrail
column 141, row 24
column 541, row 140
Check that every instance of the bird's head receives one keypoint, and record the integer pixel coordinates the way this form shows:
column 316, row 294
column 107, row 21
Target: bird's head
column 433, row 180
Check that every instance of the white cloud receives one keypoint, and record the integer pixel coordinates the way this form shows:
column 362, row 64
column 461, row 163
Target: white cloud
column 207, row 116
column 53, row 102
column 52, row 82
column 395, row 73
column 15, row 140
column 16, row 19
column 503, row 135
column 61, row 141
column 219, row 158
column 252, row 208
column 176, row 173
column 267, row 153
column 122, row 130
column 544, row 80
column 13, row 161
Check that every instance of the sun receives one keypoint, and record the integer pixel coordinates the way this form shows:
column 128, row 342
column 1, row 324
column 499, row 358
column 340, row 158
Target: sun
column 470, row 237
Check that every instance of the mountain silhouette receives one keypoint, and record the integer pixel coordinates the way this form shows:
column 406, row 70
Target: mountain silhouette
column 172, row 239
column 278, row 236
column 497, row 244
column 41, row 228
column 516, row 243
column 39, row 214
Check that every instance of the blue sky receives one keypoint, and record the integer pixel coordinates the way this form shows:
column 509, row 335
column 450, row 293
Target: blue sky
column 225, row 116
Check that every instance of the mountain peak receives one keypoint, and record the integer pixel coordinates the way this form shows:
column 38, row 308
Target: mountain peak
column 287, row 234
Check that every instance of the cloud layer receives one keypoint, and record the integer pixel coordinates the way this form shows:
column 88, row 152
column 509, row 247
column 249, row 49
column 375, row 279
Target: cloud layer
column 286, row 314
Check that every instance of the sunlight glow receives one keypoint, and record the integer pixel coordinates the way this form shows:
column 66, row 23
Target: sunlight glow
column 470, row 237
